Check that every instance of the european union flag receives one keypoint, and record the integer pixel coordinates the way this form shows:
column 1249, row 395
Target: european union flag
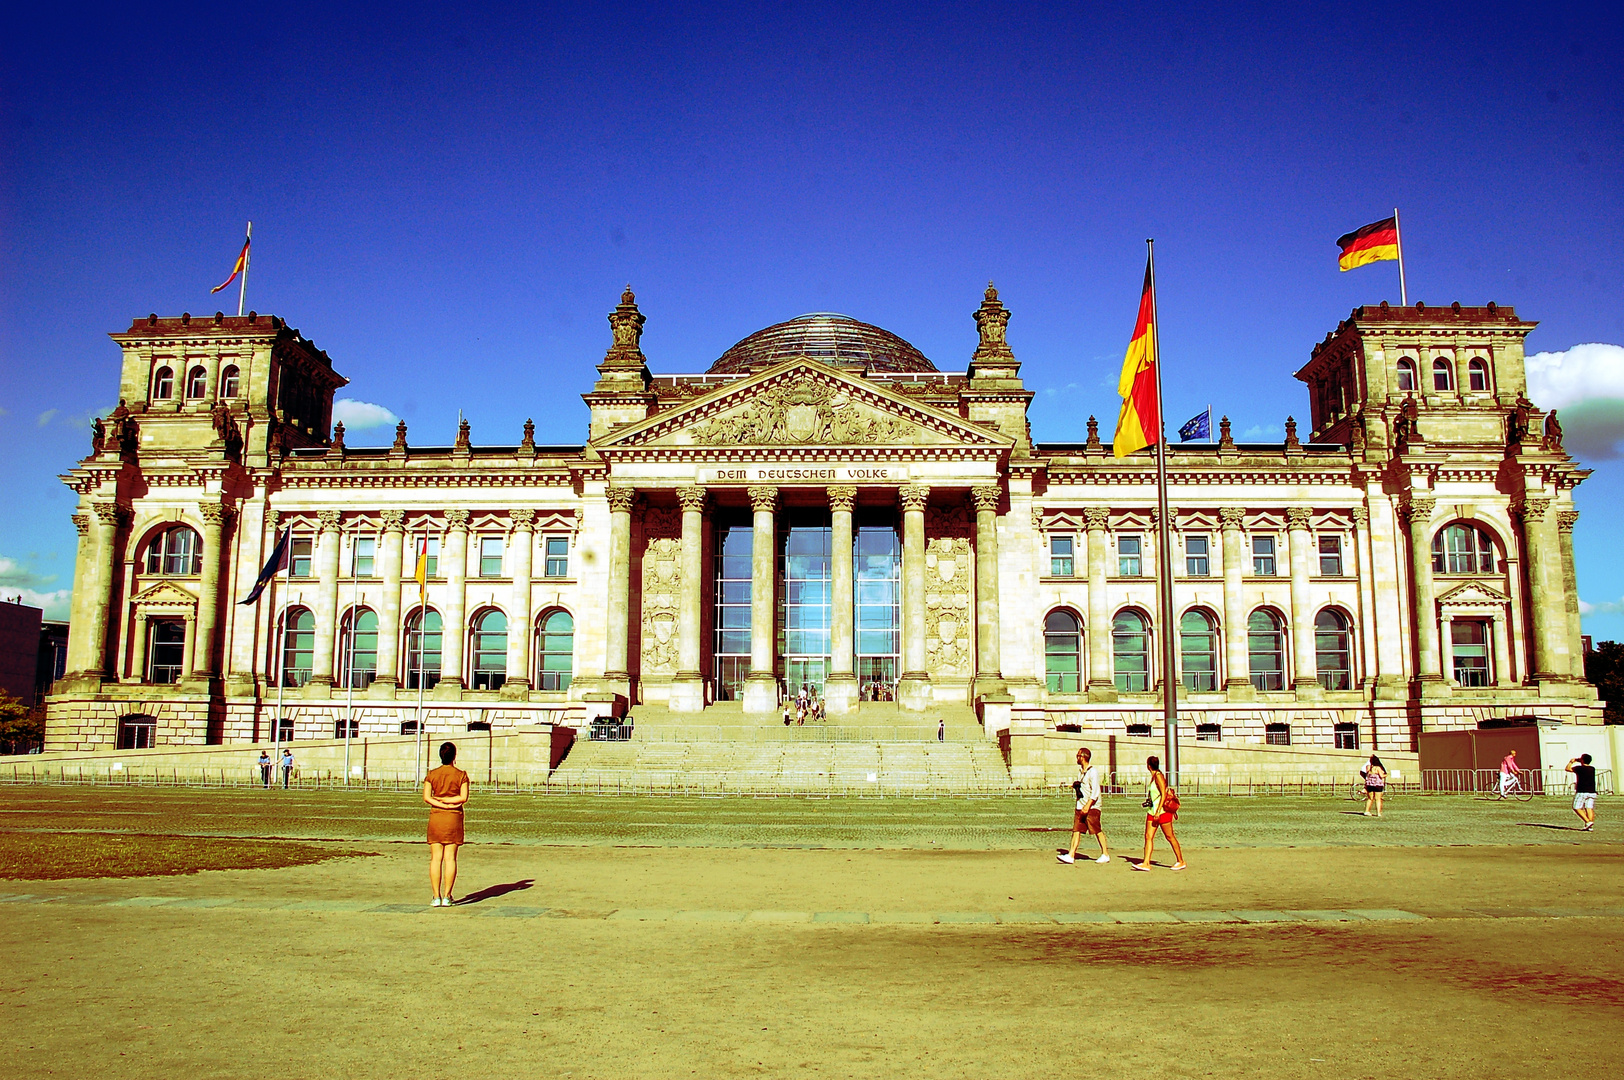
column 1198, row 427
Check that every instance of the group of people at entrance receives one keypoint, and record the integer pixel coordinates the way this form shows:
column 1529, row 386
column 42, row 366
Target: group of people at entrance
column 267, row 768
column 1161, row 808
column 805, row 705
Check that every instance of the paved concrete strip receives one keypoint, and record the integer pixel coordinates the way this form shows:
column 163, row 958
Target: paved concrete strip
column 840, row 917
column 1206, row 916
column 1264, row 916
column 1384, row 914
column 1326, row 916
column 779, row 917
column 1141, row 916
column 1018, row 918
column 904, row 917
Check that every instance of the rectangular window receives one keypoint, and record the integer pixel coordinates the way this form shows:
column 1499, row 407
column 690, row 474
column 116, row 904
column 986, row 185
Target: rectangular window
column 1469, row 641
column 1263, row 556
column 166, row 651
column 137, row 733
column 1195, row 556
column 1209, row 733
column 558, row 557
column 1277, row 734
column 1330, row 556
column 490, row 556
column 300, row 557
column 1062, row 557
column 366, row 550
column 1128, row 552
column 1347, row 736
column 432, row 546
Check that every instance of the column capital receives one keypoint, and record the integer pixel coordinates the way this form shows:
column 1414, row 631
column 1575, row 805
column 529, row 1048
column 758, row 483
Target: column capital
column 1096, row 517
column 842, row 498
column 986, row 497
column 82, row 523
column 108, row 513
column 394, row 521
column 1297, row 517
column 913, row 496
column 456, row 520
column 330, row 520
column 523, row 520
column 1231, row 517
column 621, row 499
column 1533, row 510
column 1361, row 517
column 1566, row 520
column 214, row 513
column 763, row 497
column 692, row 498
column 1418, row 511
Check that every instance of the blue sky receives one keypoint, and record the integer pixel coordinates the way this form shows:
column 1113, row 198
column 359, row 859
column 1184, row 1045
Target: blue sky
column 450, row 200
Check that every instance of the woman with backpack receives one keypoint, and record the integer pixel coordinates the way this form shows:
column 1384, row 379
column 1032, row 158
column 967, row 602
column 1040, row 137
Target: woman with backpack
column 1161, row 806
column 1375, row 775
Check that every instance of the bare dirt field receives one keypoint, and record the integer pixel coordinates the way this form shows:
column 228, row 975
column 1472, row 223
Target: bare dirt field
column 669, row 937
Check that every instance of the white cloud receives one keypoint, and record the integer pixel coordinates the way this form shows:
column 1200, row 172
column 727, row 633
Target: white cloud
column 359, row 415
column 1263, row 433
column 1607, row 607
column 45, row 417
column 1557, row 380
column 19, row 582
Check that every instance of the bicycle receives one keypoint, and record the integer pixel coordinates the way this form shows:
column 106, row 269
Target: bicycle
column 1512, row 786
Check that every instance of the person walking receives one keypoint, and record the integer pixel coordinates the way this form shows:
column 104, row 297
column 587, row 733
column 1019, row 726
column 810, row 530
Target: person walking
column 941, row 736
column 446, row 791
column 1086, row 815
column 265, row 769
column 1158, row 816
column 1584, row 790
column 1508, row 773
column 287, row 768
column 1375, row 774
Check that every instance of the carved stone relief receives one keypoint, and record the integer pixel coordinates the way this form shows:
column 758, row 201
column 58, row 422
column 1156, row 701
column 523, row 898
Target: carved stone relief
column 662, row 592
column 804, row 410
column 949, row 617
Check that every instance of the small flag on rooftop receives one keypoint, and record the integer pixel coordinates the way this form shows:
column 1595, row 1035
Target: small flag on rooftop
column 1198, row 426
column 242, row 262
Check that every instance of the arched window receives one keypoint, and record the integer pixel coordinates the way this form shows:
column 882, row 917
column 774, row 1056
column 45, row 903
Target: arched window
column 175, row 551
column 490, row 651
column 1462, row 549
column 163, row 384
column 1062, row 652
column 1332, row 654
column 298, row 645
column 1130, row 651
column 197, row 383
column 1477, row 375
column 556, row 660
column 423, row 649
column 1265, row 650
column 358, row 649
column 1469, row 642
column 1406, row 374
column 1198, row 653
column 1441, row 379
column 229, row 379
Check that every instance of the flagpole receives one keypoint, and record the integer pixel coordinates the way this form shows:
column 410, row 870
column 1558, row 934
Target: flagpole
column 422, row 625
column 1398, row 235
column 281, row 648
column 1164, row 547
column 247, row 253
column 349, row 666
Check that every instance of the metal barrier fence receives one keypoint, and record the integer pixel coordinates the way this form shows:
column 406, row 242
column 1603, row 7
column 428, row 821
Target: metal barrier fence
column 1549, row 781
column 812, row 732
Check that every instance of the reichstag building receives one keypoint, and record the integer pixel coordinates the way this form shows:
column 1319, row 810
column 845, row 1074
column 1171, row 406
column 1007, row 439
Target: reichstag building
column 822, row 507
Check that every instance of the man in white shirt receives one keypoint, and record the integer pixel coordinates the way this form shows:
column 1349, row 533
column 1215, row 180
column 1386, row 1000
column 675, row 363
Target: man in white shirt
column 1086, row 818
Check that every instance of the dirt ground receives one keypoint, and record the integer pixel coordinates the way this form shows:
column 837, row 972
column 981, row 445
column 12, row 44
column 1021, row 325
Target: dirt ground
column 670, row 959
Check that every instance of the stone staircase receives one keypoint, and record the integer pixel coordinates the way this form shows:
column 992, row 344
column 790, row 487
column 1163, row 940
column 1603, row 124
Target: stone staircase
column 878, row 750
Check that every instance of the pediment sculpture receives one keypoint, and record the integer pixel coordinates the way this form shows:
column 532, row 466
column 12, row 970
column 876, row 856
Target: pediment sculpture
column 805, row 410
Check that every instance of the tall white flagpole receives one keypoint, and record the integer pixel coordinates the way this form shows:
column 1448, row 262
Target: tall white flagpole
column 281, row 652
column 422, row 626
column 1164, row 551
column 1398, row 234
column 248, row 254
column 349, row 666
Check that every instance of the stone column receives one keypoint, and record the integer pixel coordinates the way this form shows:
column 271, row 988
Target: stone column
column 761, row 688
column 392, row 556
column 138, row 650
column 1544, row 562
column 96, row 614
column 82, row 562
column 1238, row 667
column 1446, row 647
column 1565, row 521
column 321, row 662
column 1101, row 686
column 208, row 599
column 1425, row 616
column 989, row 665
column 688, row 690
column 616, row 669
column 914, row 689
column 1367, row 662
column 521, row 550
column 1502, row 651
column 190, row 639
column 454, row 621
column 1300, row 541
column 840, row 689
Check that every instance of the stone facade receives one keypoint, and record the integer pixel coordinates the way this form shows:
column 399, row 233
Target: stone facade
column 1408, row 566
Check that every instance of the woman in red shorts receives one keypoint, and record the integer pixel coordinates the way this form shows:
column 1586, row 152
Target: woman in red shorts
column 445, row 790
column 1155, row 818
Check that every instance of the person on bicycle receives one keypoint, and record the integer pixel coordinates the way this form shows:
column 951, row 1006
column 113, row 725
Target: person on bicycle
column 1508, row 774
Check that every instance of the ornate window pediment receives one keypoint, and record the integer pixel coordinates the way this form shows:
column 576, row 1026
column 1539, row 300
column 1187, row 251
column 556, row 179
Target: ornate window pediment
column 164, row 598
column 1473, row 595
column 802, row 403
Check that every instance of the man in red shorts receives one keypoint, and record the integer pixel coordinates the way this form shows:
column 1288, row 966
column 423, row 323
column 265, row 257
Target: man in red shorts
column 1086, row 818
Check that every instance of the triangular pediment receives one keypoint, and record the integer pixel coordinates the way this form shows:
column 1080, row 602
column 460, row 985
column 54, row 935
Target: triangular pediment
column 164, row 594
column 1473, row 594
column 802, row 403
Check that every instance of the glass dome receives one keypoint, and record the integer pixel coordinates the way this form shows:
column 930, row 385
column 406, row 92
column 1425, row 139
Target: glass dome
column 823, row 335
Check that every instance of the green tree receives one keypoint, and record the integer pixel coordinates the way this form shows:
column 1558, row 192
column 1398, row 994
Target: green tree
column 1604, row 667
column 21, row 728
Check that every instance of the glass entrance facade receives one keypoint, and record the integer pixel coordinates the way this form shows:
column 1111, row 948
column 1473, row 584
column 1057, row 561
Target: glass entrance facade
column 805, row 573
column 878, row 599
column 731, row 646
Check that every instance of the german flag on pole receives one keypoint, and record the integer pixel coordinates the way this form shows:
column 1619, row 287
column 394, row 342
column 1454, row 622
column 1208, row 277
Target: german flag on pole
column 1139, row 424
column 1373, row 243
column 242, row 261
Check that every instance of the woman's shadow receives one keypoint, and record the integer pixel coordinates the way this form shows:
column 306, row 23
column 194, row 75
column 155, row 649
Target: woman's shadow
column 490, row 892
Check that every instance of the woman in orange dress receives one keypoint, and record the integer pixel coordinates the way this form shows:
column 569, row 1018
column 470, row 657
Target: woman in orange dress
column 445, row 790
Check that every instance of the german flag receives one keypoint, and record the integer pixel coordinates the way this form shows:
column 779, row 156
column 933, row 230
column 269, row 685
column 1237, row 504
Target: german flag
column 1139, row 425
column 242, row 261
column 1373, row 243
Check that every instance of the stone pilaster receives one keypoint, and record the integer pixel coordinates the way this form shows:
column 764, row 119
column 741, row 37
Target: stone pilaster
column 913, row 691
column 95, row 614
column 1101, row 686
column 1544, row 562
column 1237, row 666
column 989, row 666
column 840, row 690
column 392, row 556
column 82, row 573
column 328, row 539
column 454, row 635
column 761, row 688
column 1565, row 521
column 616, row 668
column 521, row 551
column 1300, row 545
column 1429, row 671
column 688, row 689
column 205, row 651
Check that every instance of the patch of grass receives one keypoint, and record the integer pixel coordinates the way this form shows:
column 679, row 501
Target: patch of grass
column 48, row 856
